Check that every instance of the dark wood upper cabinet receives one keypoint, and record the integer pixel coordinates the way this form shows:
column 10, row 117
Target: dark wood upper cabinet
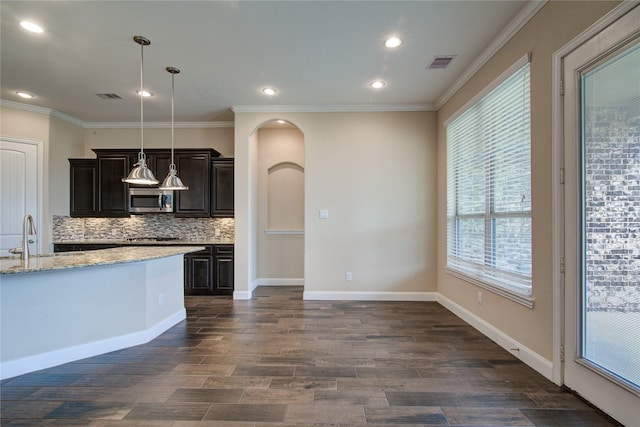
column 97, row 189
column 222, row 188
column 112, row 192
column 161, row 162
column 83, row 186
column 194, row 168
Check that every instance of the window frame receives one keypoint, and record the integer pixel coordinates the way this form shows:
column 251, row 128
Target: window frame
column 507, row 284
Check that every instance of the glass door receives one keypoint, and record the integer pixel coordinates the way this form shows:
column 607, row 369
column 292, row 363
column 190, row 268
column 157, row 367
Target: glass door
column 602, row 219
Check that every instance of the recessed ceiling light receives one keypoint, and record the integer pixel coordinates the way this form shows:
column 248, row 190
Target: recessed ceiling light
column 30, row 26
column 25, row 95
column 392, row 42
column 377, row 84
column 145, row 93
column 269, row 91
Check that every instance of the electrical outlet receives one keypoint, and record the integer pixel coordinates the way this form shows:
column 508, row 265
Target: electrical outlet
column 160, row 299
column 479, row 297
column 217, row 232
column 114, row 231
column 348, row 276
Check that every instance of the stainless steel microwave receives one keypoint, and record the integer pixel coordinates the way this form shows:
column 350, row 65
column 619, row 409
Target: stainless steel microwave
column 150, row 200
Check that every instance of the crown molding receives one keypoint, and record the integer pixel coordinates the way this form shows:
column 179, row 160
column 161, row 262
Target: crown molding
column 158, row 125
column 365, row 108
column 25, row 107
column 505, row 35
column 112, row 125
column 41, row 110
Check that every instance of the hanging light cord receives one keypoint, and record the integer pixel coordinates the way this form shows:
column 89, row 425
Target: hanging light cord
column 173, row 165
column 142, row 98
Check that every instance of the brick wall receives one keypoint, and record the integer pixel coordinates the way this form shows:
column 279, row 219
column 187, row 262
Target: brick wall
column 612, row 208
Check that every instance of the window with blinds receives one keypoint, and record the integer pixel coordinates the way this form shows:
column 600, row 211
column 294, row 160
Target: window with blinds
column 489, row 187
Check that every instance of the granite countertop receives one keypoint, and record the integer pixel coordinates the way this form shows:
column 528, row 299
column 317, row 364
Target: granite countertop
column 66, row 260
column 180, row 242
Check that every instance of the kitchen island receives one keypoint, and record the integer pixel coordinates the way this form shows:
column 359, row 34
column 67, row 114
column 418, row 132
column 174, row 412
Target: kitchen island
column 62, row 307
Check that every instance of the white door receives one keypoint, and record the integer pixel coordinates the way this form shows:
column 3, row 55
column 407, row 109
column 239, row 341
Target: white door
column 602, row 219
column 20, row 183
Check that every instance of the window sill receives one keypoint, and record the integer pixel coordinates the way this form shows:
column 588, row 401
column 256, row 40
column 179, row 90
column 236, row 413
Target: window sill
column 526, row 300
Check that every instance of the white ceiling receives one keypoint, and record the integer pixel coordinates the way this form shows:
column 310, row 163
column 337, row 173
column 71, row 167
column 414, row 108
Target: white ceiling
column 319, row 55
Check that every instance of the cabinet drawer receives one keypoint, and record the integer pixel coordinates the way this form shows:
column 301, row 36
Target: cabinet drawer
column 224, row 249
column 208, row 250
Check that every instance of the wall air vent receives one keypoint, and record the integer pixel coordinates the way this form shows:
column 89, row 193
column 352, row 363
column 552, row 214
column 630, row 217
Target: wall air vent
column 441, row 62
column 108, row 96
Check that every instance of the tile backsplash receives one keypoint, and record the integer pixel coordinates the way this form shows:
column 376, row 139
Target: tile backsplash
column 67, row 229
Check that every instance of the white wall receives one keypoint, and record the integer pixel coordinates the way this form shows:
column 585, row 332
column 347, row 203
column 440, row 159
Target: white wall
column 376, row 174
column 218, row 138
column 67, row 141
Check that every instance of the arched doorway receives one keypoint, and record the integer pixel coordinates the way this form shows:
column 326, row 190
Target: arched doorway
column 280, row 205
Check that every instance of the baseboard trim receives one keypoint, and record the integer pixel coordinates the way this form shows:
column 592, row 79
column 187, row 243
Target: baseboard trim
column 242, row 295
column 13, row 368
column 371, row 296
column 246, row 295
column 522, row 352
column 280, row 282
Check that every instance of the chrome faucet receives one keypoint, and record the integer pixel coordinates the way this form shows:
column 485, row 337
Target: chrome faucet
column 27, row 229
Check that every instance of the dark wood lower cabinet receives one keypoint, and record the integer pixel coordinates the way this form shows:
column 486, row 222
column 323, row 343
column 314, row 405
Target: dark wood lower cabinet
column 198, row 273
column 209, row 272
column 223, row 260
column 206, row 272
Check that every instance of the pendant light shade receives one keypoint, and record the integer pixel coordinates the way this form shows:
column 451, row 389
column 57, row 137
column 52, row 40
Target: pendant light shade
column 172, row 181
column 140, row 174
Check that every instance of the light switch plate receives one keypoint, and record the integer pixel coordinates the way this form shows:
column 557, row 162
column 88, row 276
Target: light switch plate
column 324, row 214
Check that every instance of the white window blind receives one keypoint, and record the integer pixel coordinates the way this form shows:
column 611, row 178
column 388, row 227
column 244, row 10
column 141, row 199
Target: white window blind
column 489, row 188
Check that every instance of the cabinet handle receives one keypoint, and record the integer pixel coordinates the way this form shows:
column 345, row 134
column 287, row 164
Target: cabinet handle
column 160, row 203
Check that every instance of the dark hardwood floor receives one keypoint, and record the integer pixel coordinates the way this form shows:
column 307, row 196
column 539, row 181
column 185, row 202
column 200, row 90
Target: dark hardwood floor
column 279, row 360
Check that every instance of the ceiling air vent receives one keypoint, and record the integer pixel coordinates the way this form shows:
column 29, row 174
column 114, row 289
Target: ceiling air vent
column 440, row 62
column 108, row 96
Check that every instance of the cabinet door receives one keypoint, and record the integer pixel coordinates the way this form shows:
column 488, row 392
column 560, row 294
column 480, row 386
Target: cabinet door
column 222, row 188
column 223, row 270
column 194, row 170
column 198, row 273
column 83, row 184
column 161, row 162
column 112, row 192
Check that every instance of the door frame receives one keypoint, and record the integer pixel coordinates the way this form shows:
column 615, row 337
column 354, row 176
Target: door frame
column 41, row 236
column 558, row 190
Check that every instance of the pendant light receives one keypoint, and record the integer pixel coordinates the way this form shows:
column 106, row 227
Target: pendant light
column 172, row 181
column 140, row 174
